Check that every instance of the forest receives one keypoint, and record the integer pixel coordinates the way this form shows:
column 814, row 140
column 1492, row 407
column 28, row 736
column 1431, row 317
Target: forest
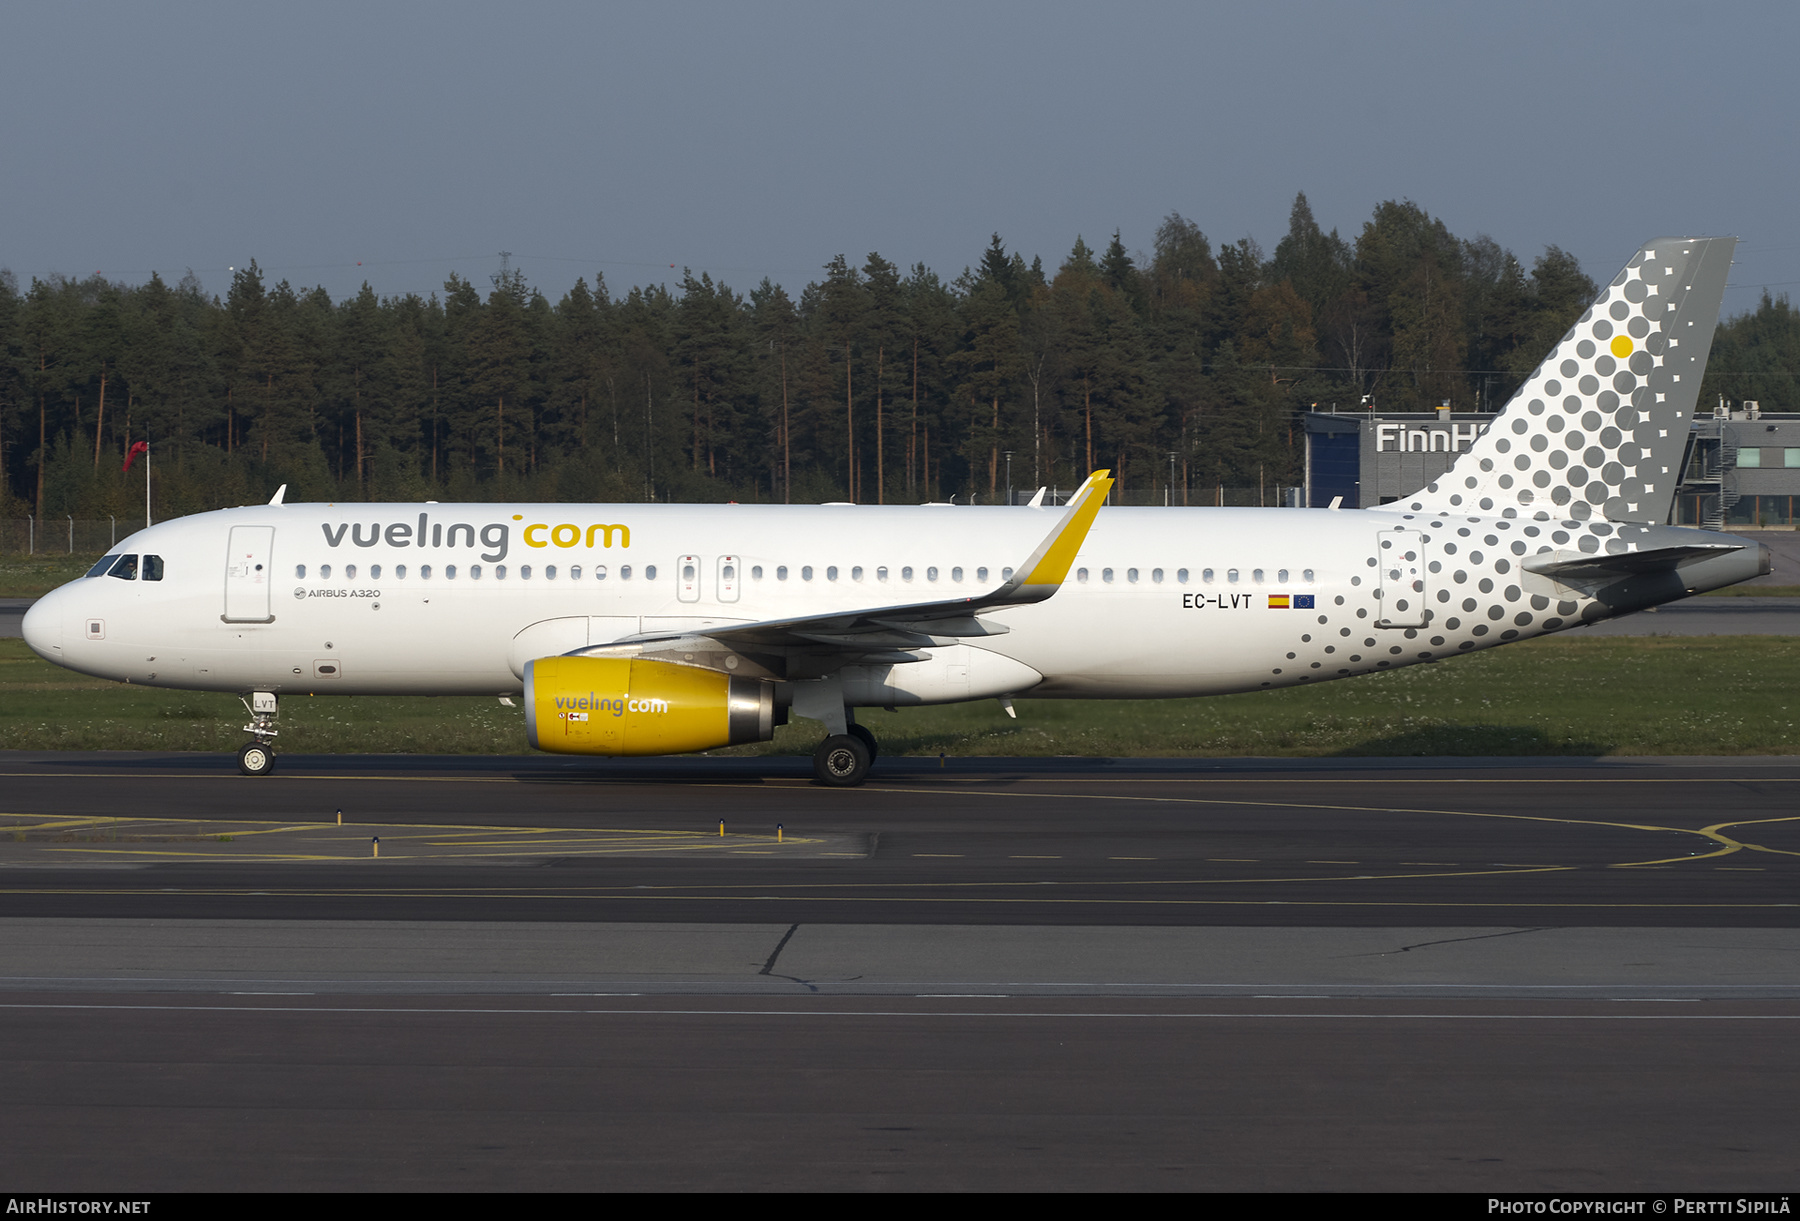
column 1184, row 368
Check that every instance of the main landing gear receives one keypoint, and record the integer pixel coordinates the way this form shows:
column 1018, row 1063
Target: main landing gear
column 257, row 757
column 843, row 759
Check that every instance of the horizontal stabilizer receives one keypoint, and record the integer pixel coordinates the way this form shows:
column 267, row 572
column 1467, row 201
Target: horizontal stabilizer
column 1580, row 568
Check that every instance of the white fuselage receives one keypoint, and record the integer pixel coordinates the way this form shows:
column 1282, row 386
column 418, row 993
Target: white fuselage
column 452, row 599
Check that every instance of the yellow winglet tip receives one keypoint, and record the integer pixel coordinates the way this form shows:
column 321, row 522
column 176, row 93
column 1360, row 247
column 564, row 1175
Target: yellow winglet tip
column 1059, row 556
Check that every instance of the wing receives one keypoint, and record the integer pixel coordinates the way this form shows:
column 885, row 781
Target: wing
column 883, row 633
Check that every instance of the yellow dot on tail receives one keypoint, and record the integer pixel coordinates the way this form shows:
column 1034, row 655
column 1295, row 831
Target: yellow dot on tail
column 1621, row 346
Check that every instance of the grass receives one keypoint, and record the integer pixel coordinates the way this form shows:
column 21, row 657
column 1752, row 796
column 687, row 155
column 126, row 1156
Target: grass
column 1714, row 695
column 33, row 576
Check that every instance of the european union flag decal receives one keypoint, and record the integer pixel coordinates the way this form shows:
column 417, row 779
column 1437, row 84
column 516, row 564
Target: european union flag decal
column 1303, row 601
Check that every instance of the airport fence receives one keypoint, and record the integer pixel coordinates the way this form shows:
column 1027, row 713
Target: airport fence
column 68, row 535
column 63, row 535
column 1272, row 496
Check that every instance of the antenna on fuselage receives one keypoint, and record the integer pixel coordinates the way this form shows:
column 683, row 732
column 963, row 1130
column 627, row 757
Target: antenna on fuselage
column 279, row 493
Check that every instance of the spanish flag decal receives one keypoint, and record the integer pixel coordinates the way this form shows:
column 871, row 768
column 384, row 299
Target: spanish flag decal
column 1278, row 601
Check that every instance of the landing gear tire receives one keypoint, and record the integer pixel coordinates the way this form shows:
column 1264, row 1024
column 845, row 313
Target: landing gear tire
column 842, row 761
column 256, row 759
column 868, row 740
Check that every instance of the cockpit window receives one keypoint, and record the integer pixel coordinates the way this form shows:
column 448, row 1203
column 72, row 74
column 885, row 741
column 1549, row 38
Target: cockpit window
column 103, row 566
column 153, row 568
column 125, row 569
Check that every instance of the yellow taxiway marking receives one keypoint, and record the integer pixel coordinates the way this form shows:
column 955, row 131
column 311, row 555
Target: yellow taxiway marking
column 448, row 840
column 1713, row 834
column 260, row 856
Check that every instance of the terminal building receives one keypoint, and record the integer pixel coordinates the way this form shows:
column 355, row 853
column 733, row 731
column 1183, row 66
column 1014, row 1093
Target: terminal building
column 1742, row 465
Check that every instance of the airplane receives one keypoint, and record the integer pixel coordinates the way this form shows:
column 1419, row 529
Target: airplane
column 650, row 629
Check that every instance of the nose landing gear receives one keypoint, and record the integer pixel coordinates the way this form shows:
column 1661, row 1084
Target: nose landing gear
column 257, row 758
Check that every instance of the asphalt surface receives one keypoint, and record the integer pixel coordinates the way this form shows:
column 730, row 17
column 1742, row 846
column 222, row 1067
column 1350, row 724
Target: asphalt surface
column 1410, row 843
column 12, row 615
column 1471, row 975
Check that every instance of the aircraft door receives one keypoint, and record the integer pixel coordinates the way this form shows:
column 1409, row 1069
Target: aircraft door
column 1402, row 559
column 730, row 573
column 687, row 578
column 249, row 575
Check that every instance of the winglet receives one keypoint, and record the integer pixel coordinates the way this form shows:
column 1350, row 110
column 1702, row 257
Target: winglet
column 1042, row 574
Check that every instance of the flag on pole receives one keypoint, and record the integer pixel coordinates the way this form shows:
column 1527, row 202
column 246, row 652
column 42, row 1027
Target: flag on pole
column 142, row 447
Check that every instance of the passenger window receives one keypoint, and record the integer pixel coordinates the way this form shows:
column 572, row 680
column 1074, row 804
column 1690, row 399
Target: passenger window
column 981, row 575
column 1281, row 577
column 499, row 572
column 856, row 573
column 349, row 572
column 1131, row 574
column 1156, row 575
column 1081, row 575
column 400, row 571
column 931, row 573
column 1231, row 575
column 906, row 573
column 881, row 573
column 831, row 573
column 1006, row 574
column 424, row 572
column 475, row 572
column 449, row 572
column 1106, row 575
column 1307, row 575
column 575, row 572
column 1181, row 575
column 1206, row 575
column 1256, row 575
column 956, row 574
column 374, row 572
column 299, row 572
column 550, row 572
column 806, row 572
column 756, row 573
column 649, row 572
column 781, row 572
column 324, row 572
column 599, row 572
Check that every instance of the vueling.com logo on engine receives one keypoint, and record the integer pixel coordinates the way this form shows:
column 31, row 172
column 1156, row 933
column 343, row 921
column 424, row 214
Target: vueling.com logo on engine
column 577, row 707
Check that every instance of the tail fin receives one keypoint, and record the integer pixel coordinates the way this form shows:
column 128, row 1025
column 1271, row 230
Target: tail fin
column 1601, row 426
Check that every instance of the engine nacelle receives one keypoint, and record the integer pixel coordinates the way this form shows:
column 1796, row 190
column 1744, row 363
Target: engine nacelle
column 630, row 706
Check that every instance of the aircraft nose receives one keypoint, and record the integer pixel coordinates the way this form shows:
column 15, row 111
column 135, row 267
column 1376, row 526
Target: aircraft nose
column 42, row 628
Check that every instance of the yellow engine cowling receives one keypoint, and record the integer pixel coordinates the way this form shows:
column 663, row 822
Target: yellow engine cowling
column 630, row 706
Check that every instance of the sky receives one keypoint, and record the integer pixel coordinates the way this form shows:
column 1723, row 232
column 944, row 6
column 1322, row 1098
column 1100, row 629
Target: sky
column 398, row 143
